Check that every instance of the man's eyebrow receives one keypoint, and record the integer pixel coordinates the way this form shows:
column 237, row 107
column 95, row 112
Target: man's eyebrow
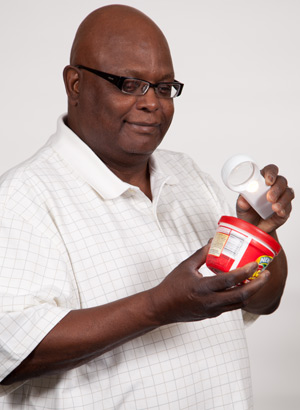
column 136, row 74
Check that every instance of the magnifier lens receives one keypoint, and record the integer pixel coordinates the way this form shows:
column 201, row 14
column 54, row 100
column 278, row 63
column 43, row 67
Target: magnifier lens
column 241, row 173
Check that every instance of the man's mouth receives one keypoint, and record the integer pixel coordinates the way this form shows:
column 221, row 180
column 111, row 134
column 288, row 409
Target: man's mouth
column 143, row 127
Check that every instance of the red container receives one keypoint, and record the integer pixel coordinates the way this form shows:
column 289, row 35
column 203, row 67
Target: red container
column 237, row 243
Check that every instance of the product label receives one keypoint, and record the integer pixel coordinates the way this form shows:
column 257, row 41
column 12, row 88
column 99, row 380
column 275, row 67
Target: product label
column 227, row 242
column 233, row 245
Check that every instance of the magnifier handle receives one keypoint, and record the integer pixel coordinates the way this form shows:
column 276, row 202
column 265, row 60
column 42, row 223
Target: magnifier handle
column 259, row 201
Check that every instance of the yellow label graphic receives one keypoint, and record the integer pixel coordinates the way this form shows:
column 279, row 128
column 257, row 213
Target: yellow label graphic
column 218, row 244
column 263, row 261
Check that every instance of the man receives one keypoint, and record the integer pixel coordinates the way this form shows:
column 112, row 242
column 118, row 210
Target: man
column 103, row 239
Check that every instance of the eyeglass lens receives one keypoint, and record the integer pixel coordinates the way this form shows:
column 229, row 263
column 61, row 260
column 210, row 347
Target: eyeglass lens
column 139, row 87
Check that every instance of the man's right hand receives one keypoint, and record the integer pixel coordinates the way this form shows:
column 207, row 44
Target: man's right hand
column 185, row 295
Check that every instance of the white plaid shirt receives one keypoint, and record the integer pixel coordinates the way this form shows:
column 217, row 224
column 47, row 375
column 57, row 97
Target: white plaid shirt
column 73, row 235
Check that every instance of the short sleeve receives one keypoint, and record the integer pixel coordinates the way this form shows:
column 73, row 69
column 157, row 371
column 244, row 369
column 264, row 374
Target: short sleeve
column 36, row 290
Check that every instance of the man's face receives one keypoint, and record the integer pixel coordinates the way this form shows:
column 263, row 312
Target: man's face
column 118, row 127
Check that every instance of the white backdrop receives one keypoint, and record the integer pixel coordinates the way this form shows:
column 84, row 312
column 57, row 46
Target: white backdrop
column 240, row 62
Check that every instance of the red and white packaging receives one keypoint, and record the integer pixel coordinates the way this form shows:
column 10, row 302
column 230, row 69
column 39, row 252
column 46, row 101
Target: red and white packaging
column 237, row 243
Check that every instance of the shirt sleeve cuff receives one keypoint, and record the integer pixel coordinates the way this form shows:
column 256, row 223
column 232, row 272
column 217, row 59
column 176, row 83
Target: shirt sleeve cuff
column 21, row 332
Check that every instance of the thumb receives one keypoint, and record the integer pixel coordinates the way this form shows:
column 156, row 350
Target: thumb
column 197, row 259
column 242, row 204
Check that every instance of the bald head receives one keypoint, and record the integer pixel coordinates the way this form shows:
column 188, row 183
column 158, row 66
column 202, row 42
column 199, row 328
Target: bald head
column 115, row 27
column 123, row 130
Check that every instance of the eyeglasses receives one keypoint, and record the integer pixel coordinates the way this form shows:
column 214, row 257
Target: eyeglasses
column 135, row 86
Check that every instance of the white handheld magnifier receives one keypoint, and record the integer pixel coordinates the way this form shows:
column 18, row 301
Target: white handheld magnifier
column 241, row 174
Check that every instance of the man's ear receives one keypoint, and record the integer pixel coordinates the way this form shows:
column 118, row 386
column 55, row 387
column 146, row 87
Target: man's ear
column 71, row 79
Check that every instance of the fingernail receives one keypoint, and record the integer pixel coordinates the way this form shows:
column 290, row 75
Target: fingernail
column 272, row 197
column 253, row 265
column 271, row 179
column 282, row 213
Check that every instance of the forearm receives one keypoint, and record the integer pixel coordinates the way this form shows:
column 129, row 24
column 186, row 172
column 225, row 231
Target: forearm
column 85, row 334
column 268, row 298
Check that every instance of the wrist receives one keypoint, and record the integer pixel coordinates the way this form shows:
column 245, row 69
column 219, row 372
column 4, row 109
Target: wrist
column 159, row 310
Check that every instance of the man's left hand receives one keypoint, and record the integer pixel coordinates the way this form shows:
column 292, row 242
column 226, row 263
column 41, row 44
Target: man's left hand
column 280, row 195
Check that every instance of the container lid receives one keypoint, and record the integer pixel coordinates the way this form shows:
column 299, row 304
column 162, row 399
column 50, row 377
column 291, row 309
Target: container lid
column 253, row 230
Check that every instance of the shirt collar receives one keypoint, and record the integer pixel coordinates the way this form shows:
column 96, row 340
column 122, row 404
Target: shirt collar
column 89, row 166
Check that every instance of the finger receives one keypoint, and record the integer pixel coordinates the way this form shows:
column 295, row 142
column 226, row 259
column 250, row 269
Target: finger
column 286, row 197
column 283, row 206
column 238, row 296
column 241, row 294
column 242, row 204
column 270, row 173
column 227, row 280
column 246, row 212
column 277, row 190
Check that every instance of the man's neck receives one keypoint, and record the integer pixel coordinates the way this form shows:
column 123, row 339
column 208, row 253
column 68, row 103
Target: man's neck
column 138, row 176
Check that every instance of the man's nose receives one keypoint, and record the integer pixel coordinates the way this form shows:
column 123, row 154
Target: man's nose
column 148, row 101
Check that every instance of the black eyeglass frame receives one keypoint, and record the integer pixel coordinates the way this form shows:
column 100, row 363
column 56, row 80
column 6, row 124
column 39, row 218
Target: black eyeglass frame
column 118, row 81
